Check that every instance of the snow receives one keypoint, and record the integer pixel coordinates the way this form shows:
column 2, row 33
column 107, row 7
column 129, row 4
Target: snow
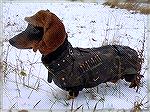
column 88, row 25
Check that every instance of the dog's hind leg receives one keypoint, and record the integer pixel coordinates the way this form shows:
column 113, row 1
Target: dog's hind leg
column 136, row 82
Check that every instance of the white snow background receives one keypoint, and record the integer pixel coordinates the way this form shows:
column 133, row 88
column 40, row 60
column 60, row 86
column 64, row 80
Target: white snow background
column 25, row 83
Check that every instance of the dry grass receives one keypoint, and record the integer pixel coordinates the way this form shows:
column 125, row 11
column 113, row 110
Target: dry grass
column 139, row 104
column 137, row 7
column 23, row 111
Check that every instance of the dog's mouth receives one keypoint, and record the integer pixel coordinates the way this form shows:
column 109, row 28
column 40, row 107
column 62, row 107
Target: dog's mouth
column 25, row 39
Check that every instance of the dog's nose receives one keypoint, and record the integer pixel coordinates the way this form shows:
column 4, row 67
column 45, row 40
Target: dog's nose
column 11, row 41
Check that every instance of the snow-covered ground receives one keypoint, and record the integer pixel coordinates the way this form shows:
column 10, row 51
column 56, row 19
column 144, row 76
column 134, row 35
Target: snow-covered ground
column 25, row 83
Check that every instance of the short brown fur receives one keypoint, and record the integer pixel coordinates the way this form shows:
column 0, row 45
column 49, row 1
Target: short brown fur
column 54, row 31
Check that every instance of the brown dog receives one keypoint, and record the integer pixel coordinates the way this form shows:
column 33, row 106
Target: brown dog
column 73, row 69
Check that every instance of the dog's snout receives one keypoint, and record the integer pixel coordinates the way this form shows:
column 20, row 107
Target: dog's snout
column 11, row 41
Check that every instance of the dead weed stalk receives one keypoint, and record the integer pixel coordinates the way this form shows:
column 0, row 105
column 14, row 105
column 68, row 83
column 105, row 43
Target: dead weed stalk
column 137, row 7
column 138, row 105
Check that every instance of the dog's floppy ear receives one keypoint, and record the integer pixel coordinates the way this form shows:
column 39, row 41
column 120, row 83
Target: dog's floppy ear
column 48, row 19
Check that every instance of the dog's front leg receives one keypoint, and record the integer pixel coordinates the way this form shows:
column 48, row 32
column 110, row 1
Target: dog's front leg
column 73, row 94
column 50, row 76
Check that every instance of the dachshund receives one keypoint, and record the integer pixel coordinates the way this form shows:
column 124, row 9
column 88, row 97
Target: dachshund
column 74, row 68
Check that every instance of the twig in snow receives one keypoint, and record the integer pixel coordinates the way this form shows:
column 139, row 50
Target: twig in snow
column 36, row 104
column 96, row 105
column 78, row 108
column 138, row 105
column 13, row 106
column 72, row 105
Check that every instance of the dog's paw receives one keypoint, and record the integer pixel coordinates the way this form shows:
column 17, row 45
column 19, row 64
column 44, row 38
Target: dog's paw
column 72, row 94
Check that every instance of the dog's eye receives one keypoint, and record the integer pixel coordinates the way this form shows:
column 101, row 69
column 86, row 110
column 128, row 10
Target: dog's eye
column 34, row 30
column 34, row 33
column 31, row 29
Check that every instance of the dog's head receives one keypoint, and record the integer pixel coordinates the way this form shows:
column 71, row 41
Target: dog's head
column 45, row 32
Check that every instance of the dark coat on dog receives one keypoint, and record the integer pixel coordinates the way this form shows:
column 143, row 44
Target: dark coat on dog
column 73, row 69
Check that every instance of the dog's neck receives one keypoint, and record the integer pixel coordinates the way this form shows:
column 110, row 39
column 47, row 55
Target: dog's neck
column 46, row 59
